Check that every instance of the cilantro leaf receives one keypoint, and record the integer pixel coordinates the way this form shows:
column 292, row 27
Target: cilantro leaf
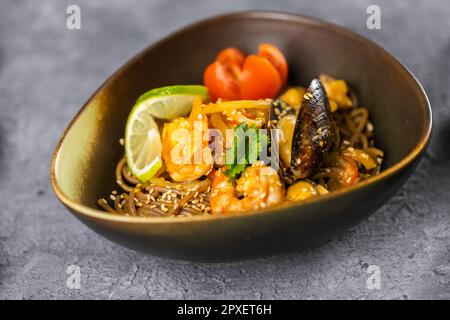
column 248, row 145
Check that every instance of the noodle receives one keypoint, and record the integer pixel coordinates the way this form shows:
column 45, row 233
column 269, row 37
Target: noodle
column 119, row 176
column 355, row 131
column 157, row 197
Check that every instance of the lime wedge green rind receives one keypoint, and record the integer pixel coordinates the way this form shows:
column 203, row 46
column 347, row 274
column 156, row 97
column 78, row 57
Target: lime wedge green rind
column 154, row 168
column 193, row 90
column 171, row 102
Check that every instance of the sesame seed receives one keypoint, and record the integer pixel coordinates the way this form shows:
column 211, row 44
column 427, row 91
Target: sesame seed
column 163, row 208
column 113, row 198
column 114, row 192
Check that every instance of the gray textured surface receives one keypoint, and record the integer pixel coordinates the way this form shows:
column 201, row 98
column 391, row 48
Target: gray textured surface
column 47, row 72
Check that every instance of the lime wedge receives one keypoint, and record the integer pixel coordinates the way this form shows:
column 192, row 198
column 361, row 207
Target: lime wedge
column 171, row 102
column 142, row 144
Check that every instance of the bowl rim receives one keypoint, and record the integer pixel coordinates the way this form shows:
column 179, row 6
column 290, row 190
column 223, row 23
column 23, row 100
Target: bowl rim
column 252, row 14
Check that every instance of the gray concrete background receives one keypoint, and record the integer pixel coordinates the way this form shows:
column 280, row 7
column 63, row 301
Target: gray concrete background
column 47, row 72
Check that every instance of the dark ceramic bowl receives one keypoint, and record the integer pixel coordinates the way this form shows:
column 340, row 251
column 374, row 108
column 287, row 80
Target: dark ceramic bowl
column 83, row 164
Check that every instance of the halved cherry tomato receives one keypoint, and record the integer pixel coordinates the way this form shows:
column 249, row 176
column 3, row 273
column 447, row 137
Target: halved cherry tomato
column 260, row 79
column 221, row 82
column 231, row 56
column 276, row 57
column 234, row 77
column 222, row 76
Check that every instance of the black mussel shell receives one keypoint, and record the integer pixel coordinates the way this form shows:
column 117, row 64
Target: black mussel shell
column 315, row 132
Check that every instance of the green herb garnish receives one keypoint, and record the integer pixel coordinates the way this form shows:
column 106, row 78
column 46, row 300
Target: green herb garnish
column 248, row 146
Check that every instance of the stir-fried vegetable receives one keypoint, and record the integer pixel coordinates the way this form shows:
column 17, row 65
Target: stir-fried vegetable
column 303, row 190
column 337, row 92
column 293, row 96
column 234, row 105
column 361, row 157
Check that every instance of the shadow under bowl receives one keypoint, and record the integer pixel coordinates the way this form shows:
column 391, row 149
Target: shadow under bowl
column 83, row 164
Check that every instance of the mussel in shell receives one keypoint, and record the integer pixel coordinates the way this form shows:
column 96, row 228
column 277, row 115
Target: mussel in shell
column 309, row 137
column 315, row 133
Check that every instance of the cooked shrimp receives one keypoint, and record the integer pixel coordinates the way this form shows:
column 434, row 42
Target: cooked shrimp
column 185, row 147
column 258, row 187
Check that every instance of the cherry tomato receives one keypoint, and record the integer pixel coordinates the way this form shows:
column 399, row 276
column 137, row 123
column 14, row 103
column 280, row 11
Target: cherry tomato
column 260, row 79
column 231, row 56
column 221, row 82
column 234, row 77
column 276, row 57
